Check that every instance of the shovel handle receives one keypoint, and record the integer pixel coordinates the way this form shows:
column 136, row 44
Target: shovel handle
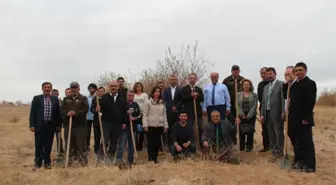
column 133, row 141
column 237, row 113
column 68, row 145
column 101, row 130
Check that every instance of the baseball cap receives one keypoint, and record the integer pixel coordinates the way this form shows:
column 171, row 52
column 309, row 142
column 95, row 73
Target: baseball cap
column 74, row 84
column 235, row 67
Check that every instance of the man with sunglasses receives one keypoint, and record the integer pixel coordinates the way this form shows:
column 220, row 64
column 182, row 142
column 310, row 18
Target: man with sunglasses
column 301, row 119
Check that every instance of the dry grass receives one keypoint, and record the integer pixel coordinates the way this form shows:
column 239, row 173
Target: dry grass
column 17, row 150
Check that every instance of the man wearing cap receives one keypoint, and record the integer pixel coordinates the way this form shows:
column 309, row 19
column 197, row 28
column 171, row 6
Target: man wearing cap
column 230, row 84
column 76, row 106
column 92, row 88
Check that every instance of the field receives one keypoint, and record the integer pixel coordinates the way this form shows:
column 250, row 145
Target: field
column 17, row 146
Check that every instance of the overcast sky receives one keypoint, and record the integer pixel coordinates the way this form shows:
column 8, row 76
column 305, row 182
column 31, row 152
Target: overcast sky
column 61, row 41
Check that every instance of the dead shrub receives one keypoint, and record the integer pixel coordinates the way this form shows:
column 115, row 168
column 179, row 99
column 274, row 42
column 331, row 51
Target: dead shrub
column 327, row 98
column 14, row 119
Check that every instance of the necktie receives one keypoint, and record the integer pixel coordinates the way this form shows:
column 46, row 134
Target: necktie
column 213, row 95
column 268, row 106
column 192, row 88
column 113, row 99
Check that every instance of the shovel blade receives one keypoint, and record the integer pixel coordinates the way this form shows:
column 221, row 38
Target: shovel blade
column 234, row 160
column 285, row 162
column 59, row 162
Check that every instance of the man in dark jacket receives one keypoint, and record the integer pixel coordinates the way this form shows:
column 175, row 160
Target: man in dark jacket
column 59, row 141
column 44, row 119
column 113, row 108
column 230, row 84
column 172, row 99
column 264, row 132
column 301, row 119
column 96, row 125
column 182, row 137
column 189, row 93
column 76, row 106
column 121, row 89
column 125, row 135
column 219, row 141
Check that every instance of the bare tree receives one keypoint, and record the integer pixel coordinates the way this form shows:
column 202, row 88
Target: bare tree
column 108, row 76
column 188, row 62
column 19, row 103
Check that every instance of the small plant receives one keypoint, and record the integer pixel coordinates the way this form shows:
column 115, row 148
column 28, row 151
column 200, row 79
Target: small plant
column 14, row 119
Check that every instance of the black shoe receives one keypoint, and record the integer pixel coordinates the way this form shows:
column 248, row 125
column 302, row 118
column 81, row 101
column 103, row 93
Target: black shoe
column 309, row 170
column 248, row 150
column 36, row 167
column 47, row 167
column 297, row 166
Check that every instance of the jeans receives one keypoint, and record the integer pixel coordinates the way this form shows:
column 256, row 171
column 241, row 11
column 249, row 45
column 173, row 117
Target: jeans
column 125, row 135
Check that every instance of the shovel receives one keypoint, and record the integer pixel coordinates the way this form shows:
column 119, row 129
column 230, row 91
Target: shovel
column 285, row 162
column 236, row 159
column 198, row 147
column 59, row 162
column 68, row 144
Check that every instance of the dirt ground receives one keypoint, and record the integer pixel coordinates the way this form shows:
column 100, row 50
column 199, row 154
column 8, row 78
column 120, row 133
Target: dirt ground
column 17, row 151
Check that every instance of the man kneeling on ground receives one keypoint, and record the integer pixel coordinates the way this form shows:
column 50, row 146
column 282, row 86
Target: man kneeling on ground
column 216, row 136
column 182, row 137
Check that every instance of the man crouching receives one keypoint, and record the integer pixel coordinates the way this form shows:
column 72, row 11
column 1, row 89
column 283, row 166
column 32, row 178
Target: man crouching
column 182, row 137
column 216, row 138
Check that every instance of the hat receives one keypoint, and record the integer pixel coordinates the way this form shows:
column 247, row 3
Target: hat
column 235, row 67
column 74, row 84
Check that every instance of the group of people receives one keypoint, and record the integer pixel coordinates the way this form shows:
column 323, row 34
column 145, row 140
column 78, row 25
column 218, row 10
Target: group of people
column 175, row 112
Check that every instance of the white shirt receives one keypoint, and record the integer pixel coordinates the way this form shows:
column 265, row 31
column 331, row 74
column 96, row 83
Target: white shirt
column 192, row 87
column 173, row 89
column 115, row 97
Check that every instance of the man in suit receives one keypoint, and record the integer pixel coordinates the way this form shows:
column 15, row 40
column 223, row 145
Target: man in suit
column 76, row 106
column 44, row 119
column 272, row 112
column 216, row 97
column 230, row 84
column 223, row 140
column 172, row 99
column 59, row 141
column 161, row 85
column 261, row 86
column 113, row 107
column 301, row 119
column 189, row 93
